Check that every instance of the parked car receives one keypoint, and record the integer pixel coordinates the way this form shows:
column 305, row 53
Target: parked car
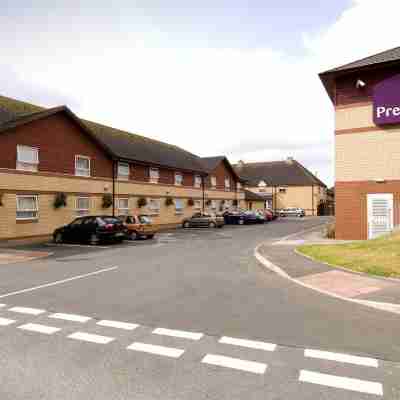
column 261, row 219
column 292, row 212
column 234, row 217
column 91, row 229
column 250, row 217
column 199, row 220
column 138, row 226
column 268, row 215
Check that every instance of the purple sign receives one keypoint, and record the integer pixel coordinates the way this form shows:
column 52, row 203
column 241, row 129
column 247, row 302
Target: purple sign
column 386, row 99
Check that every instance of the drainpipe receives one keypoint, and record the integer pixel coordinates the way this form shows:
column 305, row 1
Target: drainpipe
column 312, row 193
column 204, row 192
column 113, row 188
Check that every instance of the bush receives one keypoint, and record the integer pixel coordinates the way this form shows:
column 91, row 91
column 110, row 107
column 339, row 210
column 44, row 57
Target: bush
column 142, row 202
column 235, row 203
column 190, row 202
column 1, row 199
column 60, row 200
column 330, row 231
column 107, row 200
column 169, row 201
column 208, row 202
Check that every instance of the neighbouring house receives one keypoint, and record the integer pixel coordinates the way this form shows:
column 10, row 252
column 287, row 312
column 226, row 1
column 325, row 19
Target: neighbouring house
column 283, row 184
column 254, row 201
column 366, row 97
column 55, row 166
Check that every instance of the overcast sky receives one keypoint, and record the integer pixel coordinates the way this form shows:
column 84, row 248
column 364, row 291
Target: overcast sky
column 230, row 77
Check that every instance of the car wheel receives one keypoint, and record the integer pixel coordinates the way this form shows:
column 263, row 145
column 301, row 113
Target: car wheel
column 94, row 239
column 212, row 225
column 133, row 235
column 150, row 236
column 58, row 238
column 186, row 224
column 241, row 222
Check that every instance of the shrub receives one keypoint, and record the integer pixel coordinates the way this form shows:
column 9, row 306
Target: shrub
column 235, row 203
column 169, row 201
column 142, row 202
column 107, row 200
column 60, row 200
column 208, row 202
column 1, row 199
column 330, row 231
column 190, row 202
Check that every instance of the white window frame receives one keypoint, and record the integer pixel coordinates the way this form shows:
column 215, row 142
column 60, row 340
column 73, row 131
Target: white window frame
column 238, row 185
column 179, row 181
column 197, row 181
column 27, row 165
column 179, row 210
column 213, row 180
column 154, row 210
column 197, row 204
column 154, row 175
column 123, row 210
column 214, row 204
column 82, row 211
column 228, row 204
column 227, row 184
column 87, row 172
column 124, row 176
column 33, row 210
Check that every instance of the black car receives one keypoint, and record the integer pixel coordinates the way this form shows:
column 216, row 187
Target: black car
column 91, row 229
column 234, row 218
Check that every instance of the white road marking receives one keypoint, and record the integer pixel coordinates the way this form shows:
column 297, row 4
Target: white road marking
column 341, row 382
column 159, row 350
column 89, row 337
column 27, row 310
column 99, row 271
column 70, row 317
column 178, row 334
column 6, row 321
column 2, row 305
column 235, row 363
column 345, row 358
column 251, row 344
column 48, row 330
column 116, row 324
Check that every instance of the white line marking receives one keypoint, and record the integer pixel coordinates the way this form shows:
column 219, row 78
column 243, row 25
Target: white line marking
column 57, row 282
column 345, row 358
column 179, row 334
column 116, row 324
column 70, row 317
column 48, row 330
column 6, row 321
column 341, row 382
column 27, row 310
column 160, row 350
column 235, row 363
column 2, row 305
column 251, row 344
column 89, row 337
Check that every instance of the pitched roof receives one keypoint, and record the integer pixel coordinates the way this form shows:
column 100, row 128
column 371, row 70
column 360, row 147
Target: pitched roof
column 277, row 173
column 248, row 195
column 210, row 163
column 122, row 144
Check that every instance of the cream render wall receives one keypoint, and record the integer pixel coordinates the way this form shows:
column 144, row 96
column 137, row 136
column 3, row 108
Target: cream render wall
column 354, row 117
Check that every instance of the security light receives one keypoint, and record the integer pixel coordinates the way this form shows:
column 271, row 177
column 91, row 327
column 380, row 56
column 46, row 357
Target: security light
column 360, row 84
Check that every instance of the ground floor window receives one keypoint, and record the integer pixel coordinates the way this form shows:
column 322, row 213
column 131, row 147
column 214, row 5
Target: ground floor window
column 179, row 206
column 154, row 206
column 213, row 204
column 197, row 204
column 27, row 207
column 123, row 206
column 82, row 205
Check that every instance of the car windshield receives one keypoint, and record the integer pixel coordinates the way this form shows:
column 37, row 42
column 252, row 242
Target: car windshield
column 144, row 219
column 108, row 220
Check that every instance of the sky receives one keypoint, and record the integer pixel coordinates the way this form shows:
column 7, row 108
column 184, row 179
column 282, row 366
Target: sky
column 236, row 77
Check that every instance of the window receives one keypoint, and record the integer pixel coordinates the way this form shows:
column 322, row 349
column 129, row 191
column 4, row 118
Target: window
column 228, row 204
column 214, row 204
column 82, row 205
column 197, row 181
column 213, row 181
column 227, row 184
column 178, row 178
column 123, row 206
column 154, row 206
column 123, row 171
column 27, row 158
column 238, row 185
column 27, row 207
column 282, row 190
column 179, row 206
column 197, row 204
column 154, row 175
column 82, row 166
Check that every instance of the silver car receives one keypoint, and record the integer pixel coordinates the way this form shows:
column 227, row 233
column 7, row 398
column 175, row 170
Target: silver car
column 292, row 212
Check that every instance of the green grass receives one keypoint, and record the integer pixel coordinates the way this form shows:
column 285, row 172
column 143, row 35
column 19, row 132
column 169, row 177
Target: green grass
column 379, row 257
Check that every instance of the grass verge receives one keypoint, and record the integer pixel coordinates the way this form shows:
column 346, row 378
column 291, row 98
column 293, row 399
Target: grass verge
column 375, row 257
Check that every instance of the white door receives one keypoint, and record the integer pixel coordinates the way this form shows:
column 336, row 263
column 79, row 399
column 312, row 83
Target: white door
column 380, row 214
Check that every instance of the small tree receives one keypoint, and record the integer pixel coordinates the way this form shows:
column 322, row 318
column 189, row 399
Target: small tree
column 107, row 200
column 142, row 202
column 60, row 200
column 169, row 201
column 190, row 202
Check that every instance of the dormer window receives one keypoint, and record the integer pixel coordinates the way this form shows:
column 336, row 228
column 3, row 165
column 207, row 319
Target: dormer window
column 27, row 158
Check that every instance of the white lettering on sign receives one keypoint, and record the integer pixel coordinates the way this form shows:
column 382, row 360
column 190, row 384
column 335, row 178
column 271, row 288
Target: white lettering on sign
column 387, row 111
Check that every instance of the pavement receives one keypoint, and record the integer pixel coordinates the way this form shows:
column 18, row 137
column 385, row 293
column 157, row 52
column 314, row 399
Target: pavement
column 189, row 315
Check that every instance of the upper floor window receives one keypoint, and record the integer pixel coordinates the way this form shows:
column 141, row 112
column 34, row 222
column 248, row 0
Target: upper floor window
column 197, row 181
column 238, row 185
column 82, row 205
column 27, row 207
column 227, row 184
column 123, row 170
column 213, row 181
column 82, row 165
column 154, row 175
column 27, row 158
column 178, row 178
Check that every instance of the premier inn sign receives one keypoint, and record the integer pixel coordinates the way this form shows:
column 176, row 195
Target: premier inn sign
column 386, row 100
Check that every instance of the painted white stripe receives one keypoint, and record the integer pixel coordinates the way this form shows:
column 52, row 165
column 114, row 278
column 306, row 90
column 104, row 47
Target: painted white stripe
column 251, row 344
column 27, row 310
column 117, row 324
column 178, row 334
column 2, row 305
column 341, row 382
column 235, row 363
column 345, row 358
column 48, row 330
column 160, row 350
column 58, row 282
column 70, row 317
column 6, row 321
column 89, row 337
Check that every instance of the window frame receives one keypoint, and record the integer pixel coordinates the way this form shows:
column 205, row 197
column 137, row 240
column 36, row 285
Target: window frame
column 123, row 211
column 78, row 211
column 227, row 184
column 20, row 163
column 154, row 211
column 199, row 207
column 177, row 183
column 213, row 181
column 33, row 218
column 123, row 177
column 154, row 179
column 181, row 209
column 77, row 156
column 197, row 180
column 214, row 204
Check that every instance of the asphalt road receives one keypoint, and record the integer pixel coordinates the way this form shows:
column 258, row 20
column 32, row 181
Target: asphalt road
column 194, row 281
